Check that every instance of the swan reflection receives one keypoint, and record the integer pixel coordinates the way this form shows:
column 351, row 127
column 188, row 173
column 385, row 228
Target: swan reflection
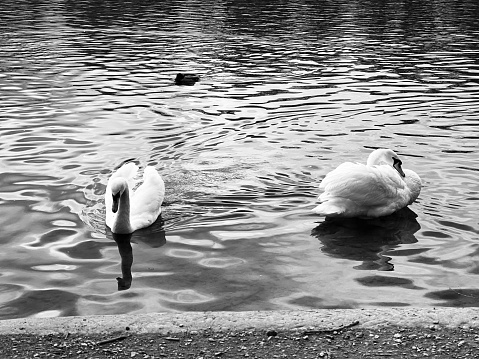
column 152, row 239
column 367, row 240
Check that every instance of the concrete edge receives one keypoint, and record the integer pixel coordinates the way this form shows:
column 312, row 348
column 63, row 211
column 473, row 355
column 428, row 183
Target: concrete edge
column 168, row 323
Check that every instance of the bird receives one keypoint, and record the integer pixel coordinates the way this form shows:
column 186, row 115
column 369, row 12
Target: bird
column 186, row 79
column 379, row 188
column 128, row 210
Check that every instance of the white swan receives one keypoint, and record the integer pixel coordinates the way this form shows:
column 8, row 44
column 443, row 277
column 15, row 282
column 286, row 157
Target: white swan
column 128, row 210
column 376, row 189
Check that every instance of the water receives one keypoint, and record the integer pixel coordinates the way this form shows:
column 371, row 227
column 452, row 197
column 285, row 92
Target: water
column 288, row 91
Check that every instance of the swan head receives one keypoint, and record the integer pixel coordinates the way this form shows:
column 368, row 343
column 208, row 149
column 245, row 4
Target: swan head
column 385, row 156
column 118, row 187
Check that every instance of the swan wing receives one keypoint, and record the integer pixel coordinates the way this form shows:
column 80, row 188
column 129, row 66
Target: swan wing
column 369, row 185
column 146, row 201
column 356, row 189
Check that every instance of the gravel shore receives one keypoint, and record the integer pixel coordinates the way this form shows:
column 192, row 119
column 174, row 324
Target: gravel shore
column 394, row 333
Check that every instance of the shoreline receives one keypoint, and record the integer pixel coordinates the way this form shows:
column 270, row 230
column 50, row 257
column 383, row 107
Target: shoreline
column 184, row 322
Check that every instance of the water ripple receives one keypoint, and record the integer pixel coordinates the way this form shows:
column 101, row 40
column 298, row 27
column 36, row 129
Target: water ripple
column 287, row 92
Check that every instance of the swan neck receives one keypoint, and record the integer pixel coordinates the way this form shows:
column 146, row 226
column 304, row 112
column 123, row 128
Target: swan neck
column 122, row 220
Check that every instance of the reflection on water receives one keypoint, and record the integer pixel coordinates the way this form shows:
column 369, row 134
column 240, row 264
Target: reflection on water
column 368, row 240
column 288, row 91
column 154, row 239
column 126, row 254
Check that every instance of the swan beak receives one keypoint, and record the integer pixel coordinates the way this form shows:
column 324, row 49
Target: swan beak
column 116, row 201
column 397, row 165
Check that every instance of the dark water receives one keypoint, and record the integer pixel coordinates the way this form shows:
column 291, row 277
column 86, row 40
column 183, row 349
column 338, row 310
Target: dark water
column 288, row 90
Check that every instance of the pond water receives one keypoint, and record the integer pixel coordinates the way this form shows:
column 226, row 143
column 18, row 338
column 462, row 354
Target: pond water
column 288, row 91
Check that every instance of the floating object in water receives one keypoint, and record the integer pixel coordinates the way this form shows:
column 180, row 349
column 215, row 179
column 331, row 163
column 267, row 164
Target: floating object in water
column 186, row 79
column 128, row 210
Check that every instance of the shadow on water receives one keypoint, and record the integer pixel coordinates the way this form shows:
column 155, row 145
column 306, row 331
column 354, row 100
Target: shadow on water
column 367, row 240
column 153, row 237
column 461, row 297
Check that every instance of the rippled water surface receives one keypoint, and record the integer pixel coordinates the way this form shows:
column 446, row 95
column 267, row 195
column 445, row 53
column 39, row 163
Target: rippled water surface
column 288, row 90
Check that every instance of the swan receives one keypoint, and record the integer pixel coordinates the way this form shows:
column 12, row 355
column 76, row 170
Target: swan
column 128, row 210
column 379, row 188
column 186, row 79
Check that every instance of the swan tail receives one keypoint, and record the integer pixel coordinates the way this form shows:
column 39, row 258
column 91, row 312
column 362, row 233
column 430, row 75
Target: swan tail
column 336, row 207
column 329, row 209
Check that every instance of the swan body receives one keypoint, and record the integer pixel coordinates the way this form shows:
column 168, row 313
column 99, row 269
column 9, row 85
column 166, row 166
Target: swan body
column 128, row 210
column 379, row 188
